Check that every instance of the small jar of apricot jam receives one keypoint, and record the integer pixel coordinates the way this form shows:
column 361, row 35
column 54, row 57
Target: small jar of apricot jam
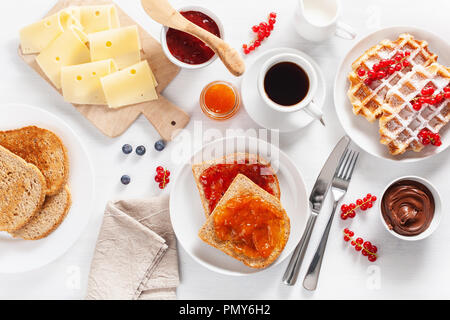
column 220, row 100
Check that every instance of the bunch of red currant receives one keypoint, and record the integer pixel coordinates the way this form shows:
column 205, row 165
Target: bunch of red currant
column 428, row 97
column 385, row 68
column 263, row 31
column 427, row 137
column 349, row 211
column 366, row 248
column 162, row 177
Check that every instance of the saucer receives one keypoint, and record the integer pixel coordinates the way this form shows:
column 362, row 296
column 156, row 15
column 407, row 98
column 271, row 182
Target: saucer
column 261, row 113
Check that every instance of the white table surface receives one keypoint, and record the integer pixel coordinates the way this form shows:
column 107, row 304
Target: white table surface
column 404, row 270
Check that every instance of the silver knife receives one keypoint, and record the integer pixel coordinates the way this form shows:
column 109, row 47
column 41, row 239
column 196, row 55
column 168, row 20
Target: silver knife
column 318, row 195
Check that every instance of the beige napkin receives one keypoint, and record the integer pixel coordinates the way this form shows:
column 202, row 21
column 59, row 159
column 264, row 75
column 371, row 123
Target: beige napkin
column 135, row 257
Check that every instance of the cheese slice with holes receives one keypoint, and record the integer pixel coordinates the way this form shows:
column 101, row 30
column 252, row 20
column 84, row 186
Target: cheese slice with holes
column 99, row 18
column 66, row 50
column 81, row 83
column 130, row 86
column 37, row 36
column 122, row 45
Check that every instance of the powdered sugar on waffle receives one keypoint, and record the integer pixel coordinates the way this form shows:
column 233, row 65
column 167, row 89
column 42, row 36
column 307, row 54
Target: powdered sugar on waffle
column 400, row 123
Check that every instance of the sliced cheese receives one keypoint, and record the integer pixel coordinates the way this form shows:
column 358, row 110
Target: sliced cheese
column 121, row 44
column 99, row 18
column 130, row 86
column 66, row 50
column 37, row 36
column 81, row 83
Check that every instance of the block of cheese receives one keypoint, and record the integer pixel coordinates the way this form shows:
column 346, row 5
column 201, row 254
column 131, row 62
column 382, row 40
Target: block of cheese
column 99, row 18
column 129, row 86
column 122, row 45
column 81, row 83
column 66, row 50
column 37, row 36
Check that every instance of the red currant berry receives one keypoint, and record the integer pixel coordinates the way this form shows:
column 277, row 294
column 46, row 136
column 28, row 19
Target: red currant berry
column 352, row 206
column 447, row 95
column 160, row 169
column 272, row 21
column 359, row 202
column 255, row 28
column 257, row 43
column 376, row 67
column 364, row 253
column 367, row 245
column 346, row 231
column 406, row 63
column 368, row 82
column 374, row 198
column 167, row 173
column 390, row 70
column 344, row 208
column 372, row 258
column 346, row 239
column 373, row 249
column 158, row 179
column 359, row 241
column 351, row 234
column 438, row 143
column 353, row 243
column 369, row 205
column 344, row 216
column 417, row 106
column 351, row 214
column 361, row 72
column 358, row 248
column 261, row 35
column 398, row 67
column 246, row 51
column 407, row 53
column 364, row 207
column 372, row 75
column 272, row 15
column 161, row 185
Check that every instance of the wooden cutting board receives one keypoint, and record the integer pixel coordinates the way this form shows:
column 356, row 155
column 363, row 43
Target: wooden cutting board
column 166, row 117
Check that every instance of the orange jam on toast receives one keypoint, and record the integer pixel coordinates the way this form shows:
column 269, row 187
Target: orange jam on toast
column 216, row 179
column 253, row 225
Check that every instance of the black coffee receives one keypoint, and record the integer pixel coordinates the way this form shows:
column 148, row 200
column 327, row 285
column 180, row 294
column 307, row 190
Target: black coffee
column 286, row 84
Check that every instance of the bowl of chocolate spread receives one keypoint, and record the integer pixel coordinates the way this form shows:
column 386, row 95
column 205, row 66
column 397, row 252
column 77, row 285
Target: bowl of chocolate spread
column 410, row 208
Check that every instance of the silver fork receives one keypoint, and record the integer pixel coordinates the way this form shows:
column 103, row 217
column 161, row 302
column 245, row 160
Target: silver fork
column 339, row 188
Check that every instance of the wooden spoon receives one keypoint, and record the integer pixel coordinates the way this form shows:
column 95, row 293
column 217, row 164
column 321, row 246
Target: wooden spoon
column 162, row 12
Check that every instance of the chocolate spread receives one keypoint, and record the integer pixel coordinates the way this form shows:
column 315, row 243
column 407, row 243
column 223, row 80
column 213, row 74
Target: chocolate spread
column 408, row 207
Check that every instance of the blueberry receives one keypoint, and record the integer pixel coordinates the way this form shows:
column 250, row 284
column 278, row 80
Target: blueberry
column 140, row 150
column 160, row 145
column 125, row 179
column 127, row 149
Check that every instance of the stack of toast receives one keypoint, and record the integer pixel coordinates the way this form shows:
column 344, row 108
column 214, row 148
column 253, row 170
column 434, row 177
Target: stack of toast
column 34, row 171
column 240, row 188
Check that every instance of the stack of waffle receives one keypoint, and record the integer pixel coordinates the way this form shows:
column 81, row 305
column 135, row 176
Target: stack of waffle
column 390, row 99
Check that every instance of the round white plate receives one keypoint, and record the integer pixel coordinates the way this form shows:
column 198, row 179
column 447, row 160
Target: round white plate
column 364, row 133
column 265, row 116
column 19, row 255
column 187, row 215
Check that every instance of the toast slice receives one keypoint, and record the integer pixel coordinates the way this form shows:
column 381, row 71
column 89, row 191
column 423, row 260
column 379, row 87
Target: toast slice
column 51, row 215
column 244, row 186
column 42, row 148
column 22, row 191
column 199, row 169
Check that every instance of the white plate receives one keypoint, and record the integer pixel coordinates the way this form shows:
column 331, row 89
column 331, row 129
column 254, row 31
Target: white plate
column 187, row 215
column 366, row 134
column 265, row 116
column 19, row 255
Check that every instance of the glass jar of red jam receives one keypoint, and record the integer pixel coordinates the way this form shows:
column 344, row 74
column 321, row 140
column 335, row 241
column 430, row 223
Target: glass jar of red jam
column 220, row 100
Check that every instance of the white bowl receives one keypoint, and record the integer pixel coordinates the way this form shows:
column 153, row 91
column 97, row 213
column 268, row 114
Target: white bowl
column 437, row 209
column 187, row 65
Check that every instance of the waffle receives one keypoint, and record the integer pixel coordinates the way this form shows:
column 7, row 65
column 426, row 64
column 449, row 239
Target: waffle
column 367, row 100
column 400, row 124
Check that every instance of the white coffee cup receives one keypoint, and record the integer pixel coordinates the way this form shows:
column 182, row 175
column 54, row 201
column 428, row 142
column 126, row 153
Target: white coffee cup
column 317, row 20
column 307, row 104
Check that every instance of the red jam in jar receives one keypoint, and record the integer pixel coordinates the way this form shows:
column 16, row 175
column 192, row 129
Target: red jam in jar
column 216, row 179
column 187, row 48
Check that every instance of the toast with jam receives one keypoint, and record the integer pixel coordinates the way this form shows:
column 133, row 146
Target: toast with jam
column 214, row 177
column 248, row 224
